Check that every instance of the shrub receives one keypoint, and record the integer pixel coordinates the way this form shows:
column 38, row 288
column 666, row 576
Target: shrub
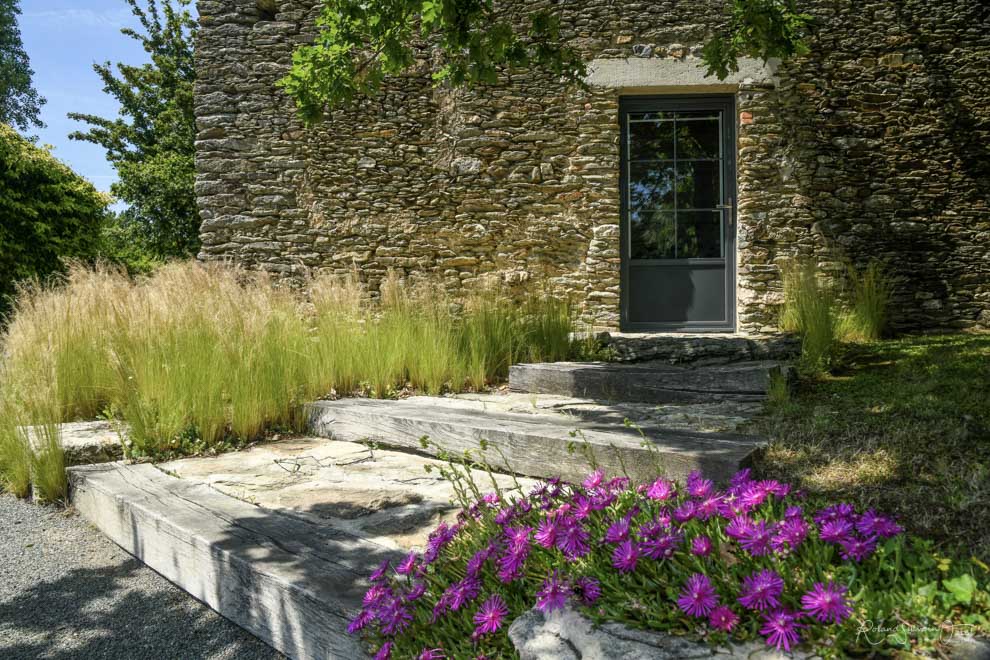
column 48, row 213
column 811, row 310
column 753, row 561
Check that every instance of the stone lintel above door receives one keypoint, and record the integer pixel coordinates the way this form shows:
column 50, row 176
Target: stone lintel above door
column 675, row 76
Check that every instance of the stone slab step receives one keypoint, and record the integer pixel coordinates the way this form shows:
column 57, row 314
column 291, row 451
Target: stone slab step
column 290, row 582
column 532, row 444
column 648, row 382
column 699, row 348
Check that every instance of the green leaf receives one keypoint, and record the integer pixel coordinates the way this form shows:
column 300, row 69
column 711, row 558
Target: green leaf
column 961, row 587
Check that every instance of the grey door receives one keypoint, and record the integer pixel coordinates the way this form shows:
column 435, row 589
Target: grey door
column 677, row 227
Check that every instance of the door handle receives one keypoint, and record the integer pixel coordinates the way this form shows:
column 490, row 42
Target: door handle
column 725, row 207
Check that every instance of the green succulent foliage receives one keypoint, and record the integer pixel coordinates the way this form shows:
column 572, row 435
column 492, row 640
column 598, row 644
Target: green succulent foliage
column 757, row 28
column 48, row 213
column 359, row 42
column 20, row 103
column 151, row 142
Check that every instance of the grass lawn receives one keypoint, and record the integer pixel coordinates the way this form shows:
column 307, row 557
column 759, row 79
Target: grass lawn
column 904, row 426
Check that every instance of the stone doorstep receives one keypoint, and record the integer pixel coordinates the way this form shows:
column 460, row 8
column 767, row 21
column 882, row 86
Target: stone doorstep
column 699, row 348
column 650, row 382
column 535, row 445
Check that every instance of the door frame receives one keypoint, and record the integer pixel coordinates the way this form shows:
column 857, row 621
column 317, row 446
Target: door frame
column 646, row 103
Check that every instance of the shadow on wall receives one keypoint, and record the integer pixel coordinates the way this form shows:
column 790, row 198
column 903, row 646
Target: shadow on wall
column 901, row 160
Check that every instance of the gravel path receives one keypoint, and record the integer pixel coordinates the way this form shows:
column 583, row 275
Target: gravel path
column 68, row 592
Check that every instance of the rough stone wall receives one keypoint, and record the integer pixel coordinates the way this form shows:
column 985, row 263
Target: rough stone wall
column 875, row 146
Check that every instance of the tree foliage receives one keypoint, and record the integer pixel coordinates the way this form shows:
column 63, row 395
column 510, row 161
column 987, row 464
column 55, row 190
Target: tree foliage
column 20, row 103
column 359, row 42
column 48, row 213
column 151, row 142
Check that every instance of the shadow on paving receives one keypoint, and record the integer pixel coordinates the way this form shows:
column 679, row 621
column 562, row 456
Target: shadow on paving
column 120, row 611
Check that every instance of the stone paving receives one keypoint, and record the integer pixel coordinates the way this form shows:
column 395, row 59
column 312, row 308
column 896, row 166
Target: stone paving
column 383, row 496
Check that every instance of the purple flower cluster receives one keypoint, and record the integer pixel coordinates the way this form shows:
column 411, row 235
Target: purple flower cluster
column 538, row 551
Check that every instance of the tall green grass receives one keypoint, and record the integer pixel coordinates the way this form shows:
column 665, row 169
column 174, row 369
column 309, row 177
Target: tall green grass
column 196, row 358
column 814, row 309
column 870, row 292
column 810, row 310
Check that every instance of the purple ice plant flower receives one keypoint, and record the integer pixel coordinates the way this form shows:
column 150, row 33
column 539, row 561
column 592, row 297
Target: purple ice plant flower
column 756, row 539
column 594, row 480
column 663, row 546
column 505, row 515
column 708, row 507
column 407, row 565
column 789, row 534
column 761, row 591
column 773, row 487
column 836, row 530
column 793, row 512
column 416, row 592
column 376, row 595
column 583, row 506
column 723, row 618
column 618, row 531
column 752, row 496
column 572, row 539
column 587, row 589
column 781, row 629
column 741, row 478
column 490, row 615
column 841, row 511
column 701, row 546
column 385, row 652
column 439, row 538
column 698, row 486
column 431, row 654
column 380, row 573
column 517, row 538
column 546, row 532
column 477, row 560
column 827, row 603
column 625, row 556
column 395, row 618
column 510, row 565
column 871, row 523
column 857, row 549
column 738, row 528
column 359, row 622
column 660, row 490
column 685, row 511
column 698, row 597
column 463, row 591
column 553, row 595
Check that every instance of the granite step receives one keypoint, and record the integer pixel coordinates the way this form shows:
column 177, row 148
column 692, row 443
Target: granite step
column 532, row 444
column 650, row 382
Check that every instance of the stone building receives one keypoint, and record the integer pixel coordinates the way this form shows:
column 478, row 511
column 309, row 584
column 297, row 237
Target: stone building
column 659, row 199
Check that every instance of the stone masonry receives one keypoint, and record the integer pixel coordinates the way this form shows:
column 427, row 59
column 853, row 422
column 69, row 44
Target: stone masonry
column 875, row 146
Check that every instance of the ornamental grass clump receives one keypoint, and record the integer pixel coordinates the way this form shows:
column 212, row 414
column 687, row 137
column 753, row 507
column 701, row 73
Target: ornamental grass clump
column 752, row 561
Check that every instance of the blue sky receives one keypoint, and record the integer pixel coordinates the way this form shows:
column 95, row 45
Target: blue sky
column 63, row 38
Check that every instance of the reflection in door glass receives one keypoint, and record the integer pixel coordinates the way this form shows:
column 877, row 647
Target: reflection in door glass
column 674, row 187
